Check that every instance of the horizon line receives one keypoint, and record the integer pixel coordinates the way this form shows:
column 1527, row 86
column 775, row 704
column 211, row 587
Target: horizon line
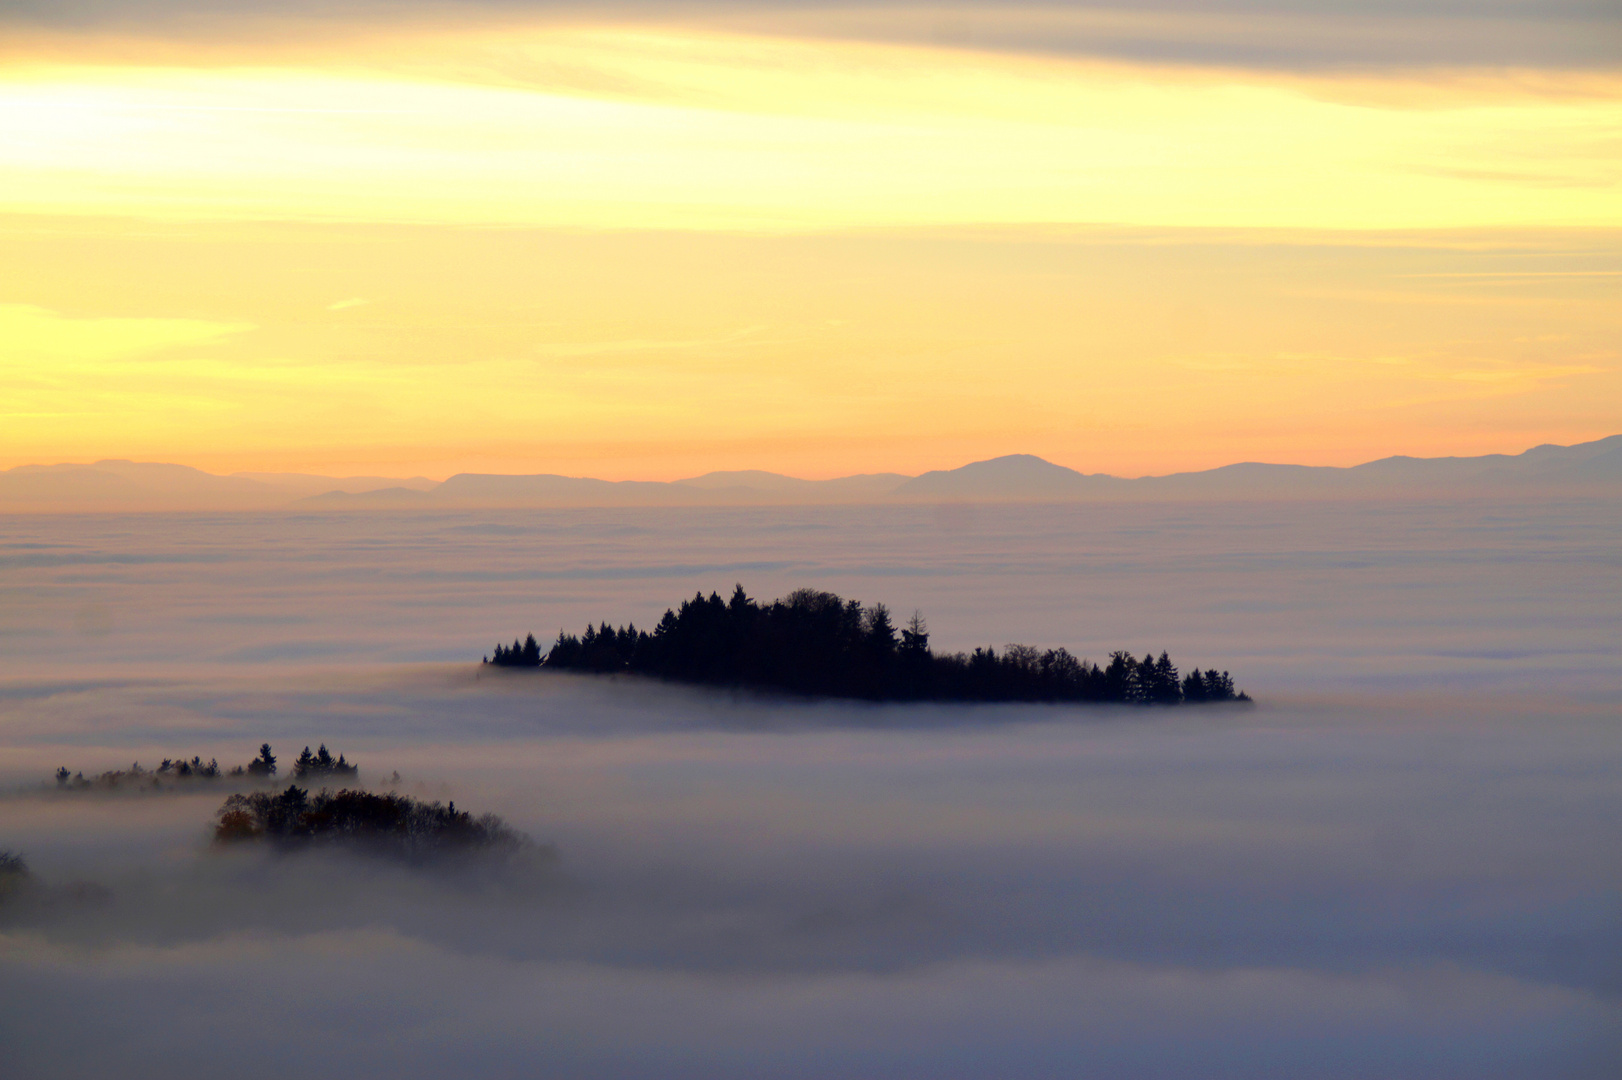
column 257, row 474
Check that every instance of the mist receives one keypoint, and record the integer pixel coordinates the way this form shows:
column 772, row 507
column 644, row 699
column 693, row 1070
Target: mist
column 1396, row 863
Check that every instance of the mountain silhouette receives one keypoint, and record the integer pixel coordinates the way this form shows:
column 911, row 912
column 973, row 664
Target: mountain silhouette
column 1014, row 476
column 1592, row 469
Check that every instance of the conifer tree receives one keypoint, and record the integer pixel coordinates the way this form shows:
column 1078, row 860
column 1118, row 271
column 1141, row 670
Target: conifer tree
column 264, row 764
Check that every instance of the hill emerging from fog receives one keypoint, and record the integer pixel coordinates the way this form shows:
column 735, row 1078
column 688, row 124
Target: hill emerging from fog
column 1592, row 468
column 818, row 644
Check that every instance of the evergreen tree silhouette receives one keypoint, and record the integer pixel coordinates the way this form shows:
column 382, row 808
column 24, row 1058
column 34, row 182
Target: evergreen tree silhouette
column 265, row 764
column 817, row 643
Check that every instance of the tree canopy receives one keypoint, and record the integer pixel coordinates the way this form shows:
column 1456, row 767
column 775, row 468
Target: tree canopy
column 321, row 765
column 816, row 643
column 181, row 773
column 388, row 823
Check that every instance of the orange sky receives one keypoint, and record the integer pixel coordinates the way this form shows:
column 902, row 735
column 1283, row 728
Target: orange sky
column 627, row 249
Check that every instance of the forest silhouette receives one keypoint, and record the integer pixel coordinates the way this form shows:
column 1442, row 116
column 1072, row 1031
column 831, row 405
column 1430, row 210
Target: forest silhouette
column 821, row 645
column 389, row 823
column 180, row 773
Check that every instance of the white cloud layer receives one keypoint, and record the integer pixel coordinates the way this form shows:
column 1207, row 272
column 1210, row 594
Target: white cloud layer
column 1390, row 867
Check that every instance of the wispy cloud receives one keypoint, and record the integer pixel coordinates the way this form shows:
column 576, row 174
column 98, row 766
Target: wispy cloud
column 1279, row 34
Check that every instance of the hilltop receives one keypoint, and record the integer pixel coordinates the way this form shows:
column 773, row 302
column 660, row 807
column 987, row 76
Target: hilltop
column 818, row 644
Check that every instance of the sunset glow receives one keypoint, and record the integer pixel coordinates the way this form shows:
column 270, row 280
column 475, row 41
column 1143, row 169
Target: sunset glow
column 807, row 539
column 649, row 250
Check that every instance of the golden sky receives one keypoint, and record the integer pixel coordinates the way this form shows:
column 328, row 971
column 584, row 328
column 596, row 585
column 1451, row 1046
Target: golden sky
column 614, row 245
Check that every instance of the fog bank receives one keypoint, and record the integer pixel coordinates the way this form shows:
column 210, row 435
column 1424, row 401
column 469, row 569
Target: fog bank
column 1396, row 864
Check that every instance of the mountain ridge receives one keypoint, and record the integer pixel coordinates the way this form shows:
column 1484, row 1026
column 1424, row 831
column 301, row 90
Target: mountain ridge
column 121, row 485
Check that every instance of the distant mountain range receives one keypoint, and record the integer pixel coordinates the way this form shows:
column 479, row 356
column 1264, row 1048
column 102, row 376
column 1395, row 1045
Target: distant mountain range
column 1593, row 468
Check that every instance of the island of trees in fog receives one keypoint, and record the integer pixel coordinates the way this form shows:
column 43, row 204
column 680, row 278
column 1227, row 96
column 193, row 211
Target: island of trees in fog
column 819, row 644
column 387, row 823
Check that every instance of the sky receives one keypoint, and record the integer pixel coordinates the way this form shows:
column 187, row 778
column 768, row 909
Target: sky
column 651, row 240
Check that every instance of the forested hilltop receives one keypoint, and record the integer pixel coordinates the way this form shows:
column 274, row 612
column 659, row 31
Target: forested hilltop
column 819, row 644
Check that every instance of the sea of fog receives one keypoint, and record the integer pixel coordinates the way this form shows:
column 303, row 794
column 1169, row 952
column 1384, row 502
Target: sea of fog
column 1403, row 862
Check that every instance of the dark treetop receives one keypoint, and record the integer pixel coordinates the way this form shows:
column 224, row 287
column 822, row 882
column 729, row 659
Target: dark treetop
column 388, row 823
column 178, row 773
column 816, row 643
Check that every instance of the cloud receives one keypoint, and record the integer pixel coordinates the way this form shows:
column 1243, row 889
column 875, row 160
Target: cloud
column 1386, row 869
column 1263, row 33
column 657, row 129
column 1004, row 891
column 364, row 1001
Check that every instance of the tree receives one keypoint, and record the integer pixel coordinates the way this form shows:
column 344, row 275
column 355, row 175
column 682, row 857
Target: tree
column 1218, row 685
column 878, row 628
column 14, row 874
column 264, row 764
column 1121, row 677
column 915, row 636
column 814, row 642
column 1165, row 689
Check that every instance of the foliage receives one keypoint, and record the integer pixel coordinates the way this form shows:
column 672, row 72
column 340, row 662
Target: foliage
column 519, row 654
column 171, row 773
column 263, row 766
column 391, row 824
column 14, row 874
column 183, row 773
column 816, row 643
column 320, row 765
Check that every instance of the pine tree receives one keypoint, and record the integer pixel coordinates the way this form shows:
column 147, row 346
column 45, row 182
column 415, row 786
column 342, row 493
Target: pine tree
column 879, row 630
column 1167, row 690
column 264, row 764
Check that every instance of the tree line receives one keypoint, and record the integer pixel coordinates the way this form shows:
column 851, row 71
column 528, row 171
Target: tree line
column 176, row 772
column 819, row 644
